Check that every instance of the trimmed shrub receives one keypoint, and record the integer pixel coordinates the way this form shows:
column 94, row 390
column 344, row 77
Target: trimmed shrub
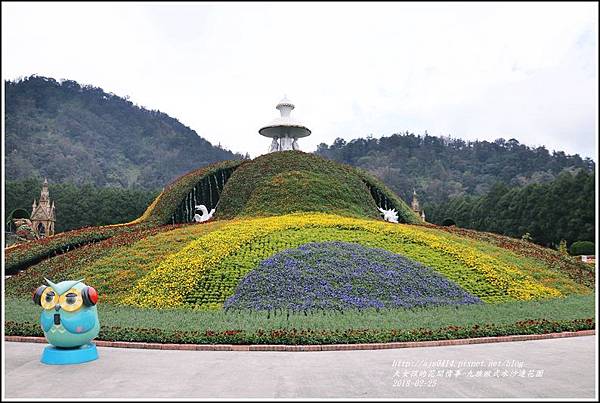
column 582, row 248
column 448, row 222
column 317, row 336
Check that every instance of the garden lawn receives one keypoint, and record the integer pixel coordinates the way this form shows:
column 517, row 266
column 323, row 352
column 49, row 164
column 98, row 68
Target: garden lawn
column 122, row 323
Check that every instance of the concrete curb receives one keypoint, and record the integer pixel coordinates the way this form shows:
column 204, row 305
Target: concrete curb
column 320, row 347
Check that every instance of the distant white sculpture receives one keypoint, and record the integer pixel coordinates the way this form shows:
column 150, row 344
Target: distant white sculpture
column 274, row 146
column 390, row 215
column 205, row 214
column 286, row 143
column 284, row 130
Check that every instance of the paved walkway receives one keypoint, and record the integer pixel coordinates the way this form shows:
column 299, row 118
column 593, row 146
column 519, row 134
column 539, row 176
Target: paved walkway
column 554, row 368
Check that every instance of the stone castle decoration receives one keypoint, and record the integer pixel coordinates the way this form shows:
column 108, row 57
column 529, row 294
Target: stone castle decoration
column 415, row 206
column 43, row 215
column 284, row 130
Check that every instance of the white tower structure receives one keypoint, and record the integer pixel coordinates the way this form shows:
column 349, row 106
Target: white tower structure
column 284, row 130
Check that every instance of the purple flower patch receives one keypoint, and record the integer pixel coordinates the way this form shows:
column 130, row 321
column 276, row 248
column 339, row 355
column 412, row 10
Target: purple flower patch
column 340, row 275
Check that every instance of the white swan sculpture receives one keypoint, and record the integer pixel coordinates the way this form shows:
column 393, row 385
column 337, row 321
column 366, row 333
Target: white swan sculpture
column 390, row 215
column 205, row 214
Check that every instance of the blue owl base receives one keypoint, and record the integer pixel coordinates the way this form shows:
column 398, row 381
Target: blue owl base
column 66, row 356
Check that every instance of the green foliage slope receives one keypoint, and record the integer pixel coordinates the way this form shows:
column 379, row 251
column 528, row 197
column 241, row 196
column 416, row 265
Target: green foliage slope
column 293, row 181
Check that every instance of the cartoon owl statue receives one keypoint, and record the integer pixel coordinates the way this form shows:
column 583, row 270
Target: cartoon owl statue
column 69, row 321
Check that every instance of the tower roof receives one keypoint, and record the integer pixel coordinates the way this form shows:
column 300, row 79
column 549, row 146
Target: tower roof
column 285, row 102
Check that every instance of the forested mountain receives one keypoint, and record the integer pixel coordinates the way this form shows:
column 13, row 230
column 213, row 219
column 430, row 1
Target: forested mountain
column 502, row 186
column 440, row 168
column 562, row 209
column 82, row 134
column 106, row 159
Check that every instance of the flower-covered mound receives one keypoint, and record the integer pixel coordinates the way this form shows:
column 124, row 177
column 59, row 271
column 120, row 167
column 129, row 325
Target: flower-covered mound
column 272, row 184
column 340, row 275
column 206, row 271
column 292, row 181
column 201, row 265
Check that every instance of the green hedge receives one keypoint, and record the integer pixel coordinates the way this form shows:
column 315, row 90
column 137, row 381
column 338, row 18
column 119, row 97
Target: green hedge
column 582, row 248
column 309, row 336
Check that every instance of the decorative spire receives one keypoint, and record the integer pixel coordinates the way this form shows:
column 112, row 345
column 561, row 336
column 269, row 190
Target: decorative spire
column 415, row 202
column 44, row 196
column 285, row 107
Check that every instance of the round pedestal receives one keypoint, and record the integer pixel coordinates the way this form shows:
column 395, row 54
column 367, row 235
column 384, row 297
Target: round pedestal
column 64, row 356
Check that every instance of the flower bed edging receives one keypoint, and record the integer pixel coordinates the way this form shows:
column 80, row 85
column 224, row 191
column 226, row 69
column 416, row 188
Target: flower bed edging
column 325, row 347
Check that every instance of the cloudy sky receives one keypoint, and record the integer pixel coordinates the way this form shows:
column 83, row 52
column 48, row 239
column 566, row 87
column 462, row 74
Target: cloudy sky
column 472, row 71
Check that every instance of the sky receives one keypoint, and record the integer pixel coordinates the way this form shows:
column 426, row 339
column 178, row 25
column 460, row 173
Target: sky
column 480, row 71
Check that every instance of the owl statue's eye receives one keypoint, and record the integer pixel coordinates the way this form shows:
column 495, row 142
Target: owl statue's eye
column 48, row 299
column 71, row 298
column 50, row 296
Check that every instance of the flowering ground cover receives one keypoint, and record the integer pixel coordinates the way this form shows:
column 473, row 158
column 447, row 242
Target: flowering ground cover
column 116, row 272
column 339, row 275
column 201, row 265
column 206, row 271
column 22, row 256
column 160, row 212
column 112, row 265
column 70, row 265
column 565, row 265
